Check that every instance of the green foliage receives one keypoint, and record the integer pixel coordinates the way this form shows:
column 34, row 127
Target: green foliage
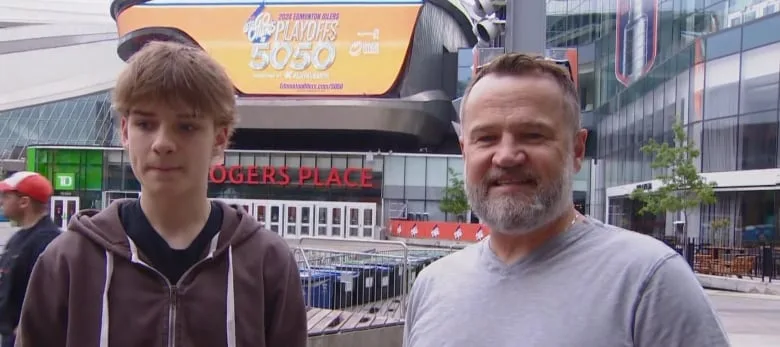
column 719, row 224
column 454, row 200
column 719, row 230
column 682, row 187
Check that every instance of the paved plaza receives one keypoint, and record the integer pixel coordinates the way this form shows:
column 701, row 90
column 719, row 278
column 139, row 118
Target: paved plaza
column 752, row 320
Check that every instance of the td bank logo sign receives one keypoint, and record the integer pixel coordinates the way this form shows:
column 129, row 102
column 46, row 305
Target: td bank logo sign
column 64, row 181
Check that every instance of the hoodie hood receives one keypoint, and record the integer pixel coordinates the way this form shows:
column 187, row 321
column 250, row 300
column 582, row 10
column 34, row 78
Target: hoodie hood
column 105, row 229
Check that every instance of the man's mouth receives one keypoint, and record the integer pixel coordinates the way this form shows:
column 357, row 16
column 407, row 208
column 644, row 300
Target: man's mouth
column 513, row 182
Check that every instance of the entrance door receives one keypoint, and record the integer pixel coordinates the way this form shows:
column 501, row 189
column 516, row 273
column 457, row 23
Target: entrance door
column 111, row 195
column 330, row 220
column 245, row 204
column 269, row 214
column 62, row 209
column 360, row 220
column 299, row 219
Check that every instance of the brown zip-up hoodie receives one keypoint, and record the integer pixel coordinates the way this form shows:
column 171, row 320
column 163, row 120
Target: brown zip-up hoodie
column 92, row 288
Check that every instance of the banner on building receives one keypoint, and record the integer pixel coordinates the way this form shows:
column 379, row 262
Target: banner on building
column 636, row 39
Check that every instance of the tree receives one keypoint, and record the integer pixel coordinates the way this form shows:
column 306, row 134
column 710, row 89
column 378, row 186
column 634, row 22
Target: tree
column 682, row 188
column 718, row 231
column 454, row 200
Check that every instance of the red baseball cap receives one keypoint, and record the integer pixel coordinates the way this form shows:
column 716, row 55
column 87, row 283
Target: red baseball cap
column 28, row 183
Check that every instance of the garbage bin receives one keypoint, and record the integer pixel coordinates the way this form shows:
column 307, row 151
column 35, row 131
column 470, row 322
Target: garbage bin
column 316, row 286
column 345, row 286
column 373, row 282
column 396, row 275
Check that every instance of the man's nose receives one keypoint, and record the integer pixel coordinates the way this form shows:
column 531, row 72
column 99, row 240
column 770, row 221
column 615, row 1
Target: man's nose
column 163, row 142
column 509, row 153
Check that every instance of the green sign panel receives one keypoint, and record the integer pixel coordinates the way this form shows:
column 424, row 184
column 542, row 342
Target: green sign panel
column 65, row 181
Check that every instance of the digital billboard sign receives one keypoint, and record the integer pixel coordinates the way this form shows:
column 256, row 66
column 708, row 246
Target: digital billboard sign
column 292, row 47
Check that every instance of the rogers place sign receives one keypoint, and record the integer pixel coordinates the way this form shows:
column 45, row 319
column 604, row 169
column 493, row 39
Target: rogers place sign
column 286, row 176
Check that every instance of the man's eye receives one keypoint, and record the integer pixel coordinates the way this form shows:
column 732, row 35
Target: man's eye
column 534, row 136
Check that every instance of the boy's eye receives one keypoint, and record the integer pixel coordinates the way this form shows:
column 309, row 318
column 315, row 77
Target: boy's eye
column 143, row 124
column 188, row 127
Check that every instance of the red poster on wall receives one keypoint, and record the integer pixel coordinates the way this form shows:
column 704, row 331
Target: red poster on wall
column 450, row 231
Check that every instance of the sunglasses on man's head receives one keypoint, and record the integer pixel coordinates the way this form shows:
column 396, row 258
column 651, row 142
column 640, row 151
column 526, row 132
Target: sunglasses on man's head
column 560, row 62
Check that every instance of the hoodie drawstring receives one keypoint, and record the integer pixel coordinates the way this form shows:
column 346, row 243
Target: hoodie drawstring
column 231, row 302
column 104, row 314
column 230, row 319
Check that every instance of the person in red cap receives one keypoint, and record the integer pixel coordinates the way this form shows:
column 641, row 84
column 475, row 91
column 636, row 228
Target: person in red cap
column 25, row 199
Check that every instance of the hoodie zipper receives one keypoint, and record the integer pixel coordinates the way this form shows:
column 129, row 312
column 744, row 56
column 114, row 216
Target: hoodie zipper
column 172, row 318
column 173, row 294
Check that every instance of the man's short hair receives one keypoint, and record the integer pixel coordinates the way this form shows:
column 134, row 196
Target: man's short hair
column 520, row 65
column 175, row 72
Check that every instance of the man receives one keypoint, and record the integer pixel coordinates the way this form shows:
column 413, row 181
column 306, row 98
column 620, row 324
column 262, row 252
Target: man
column 547, row 276
column 171, row 268
column 25, row 199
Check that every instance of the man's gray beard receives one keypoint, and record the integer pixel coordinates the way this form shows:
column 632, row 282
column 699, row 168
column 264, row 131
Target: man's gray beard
column 516, row 213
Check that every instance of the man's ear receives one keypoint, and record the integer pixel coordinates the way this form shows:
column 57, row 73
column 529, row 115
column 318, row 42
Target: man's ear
column 580, row 138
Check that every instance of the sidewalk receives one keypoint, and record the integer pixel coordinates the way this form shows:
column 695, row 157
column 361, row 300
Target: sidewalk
column 744, row 285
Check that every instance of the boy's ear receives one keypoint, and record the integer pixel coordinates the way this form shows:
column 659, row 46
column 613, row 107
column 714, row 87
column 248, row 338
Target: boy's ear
column 123, row 128
column 220, row 142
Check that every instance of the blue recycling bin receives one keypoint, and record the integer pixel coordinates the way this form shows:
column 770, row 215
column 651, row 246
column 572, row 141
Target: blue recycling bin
column 317, row 286
column 373, row 282
column 344, row 286
column 395, row 267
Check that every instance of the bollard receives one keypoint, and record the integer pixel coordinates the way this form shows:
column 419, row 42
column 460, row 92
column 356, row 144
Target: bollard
column 767, row 263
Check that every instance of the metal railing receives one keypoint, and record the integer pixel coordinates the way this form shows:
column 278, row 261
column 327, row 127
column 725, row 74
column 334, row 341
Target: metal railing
column 760, row 262
column 366, row 277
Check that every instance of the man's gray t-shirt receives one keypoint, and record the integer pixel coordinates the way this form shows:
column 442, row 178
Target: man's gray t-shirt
column 593, row 286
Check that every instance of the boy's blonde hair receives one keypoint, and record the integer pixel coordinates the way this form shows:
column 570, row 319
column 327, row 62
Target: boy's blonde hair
column 177, row 73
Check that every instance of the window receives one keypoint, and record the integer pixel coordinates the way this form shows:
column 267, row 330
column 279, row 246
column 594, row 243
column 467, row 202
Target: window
column 694, row 135
column 760, row 77
column 719, row 145
column 722, row 87
column 394, row 171
column 436, row 178
column 84, row 121
column 415, row 178
column 758, row 140
column 761, row 32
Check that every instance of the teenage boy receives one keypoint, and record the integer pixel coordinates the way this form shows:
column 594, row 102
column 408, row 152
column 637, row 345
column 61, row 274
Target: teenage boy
column 171, row 268
column 25, row 201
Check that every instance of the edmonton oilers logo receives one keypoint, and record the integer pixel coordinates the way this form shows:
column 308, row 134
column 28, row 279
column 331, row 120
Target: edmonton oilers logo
column 259, row 26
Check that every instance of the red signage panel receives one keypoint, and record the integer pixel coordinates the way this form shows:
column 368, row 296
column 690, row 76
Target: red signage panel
column 286, row 176
column 450, row 231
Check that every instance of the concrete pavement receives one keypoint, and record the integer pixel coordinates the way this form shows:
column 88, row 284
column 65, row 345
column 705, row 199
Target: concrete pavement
column 752, row 320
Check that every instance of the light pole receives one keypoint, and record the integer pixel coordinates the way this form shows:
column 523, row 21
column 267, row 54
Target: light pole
column 526, row 26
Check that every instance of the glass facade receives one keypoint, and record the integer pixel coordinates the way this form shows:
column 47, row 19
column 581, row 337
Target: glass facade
column 412, row 183
column 465, row 63
column 572, row 23
column 717, row 71
column 81, row 121
column 418, row 182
